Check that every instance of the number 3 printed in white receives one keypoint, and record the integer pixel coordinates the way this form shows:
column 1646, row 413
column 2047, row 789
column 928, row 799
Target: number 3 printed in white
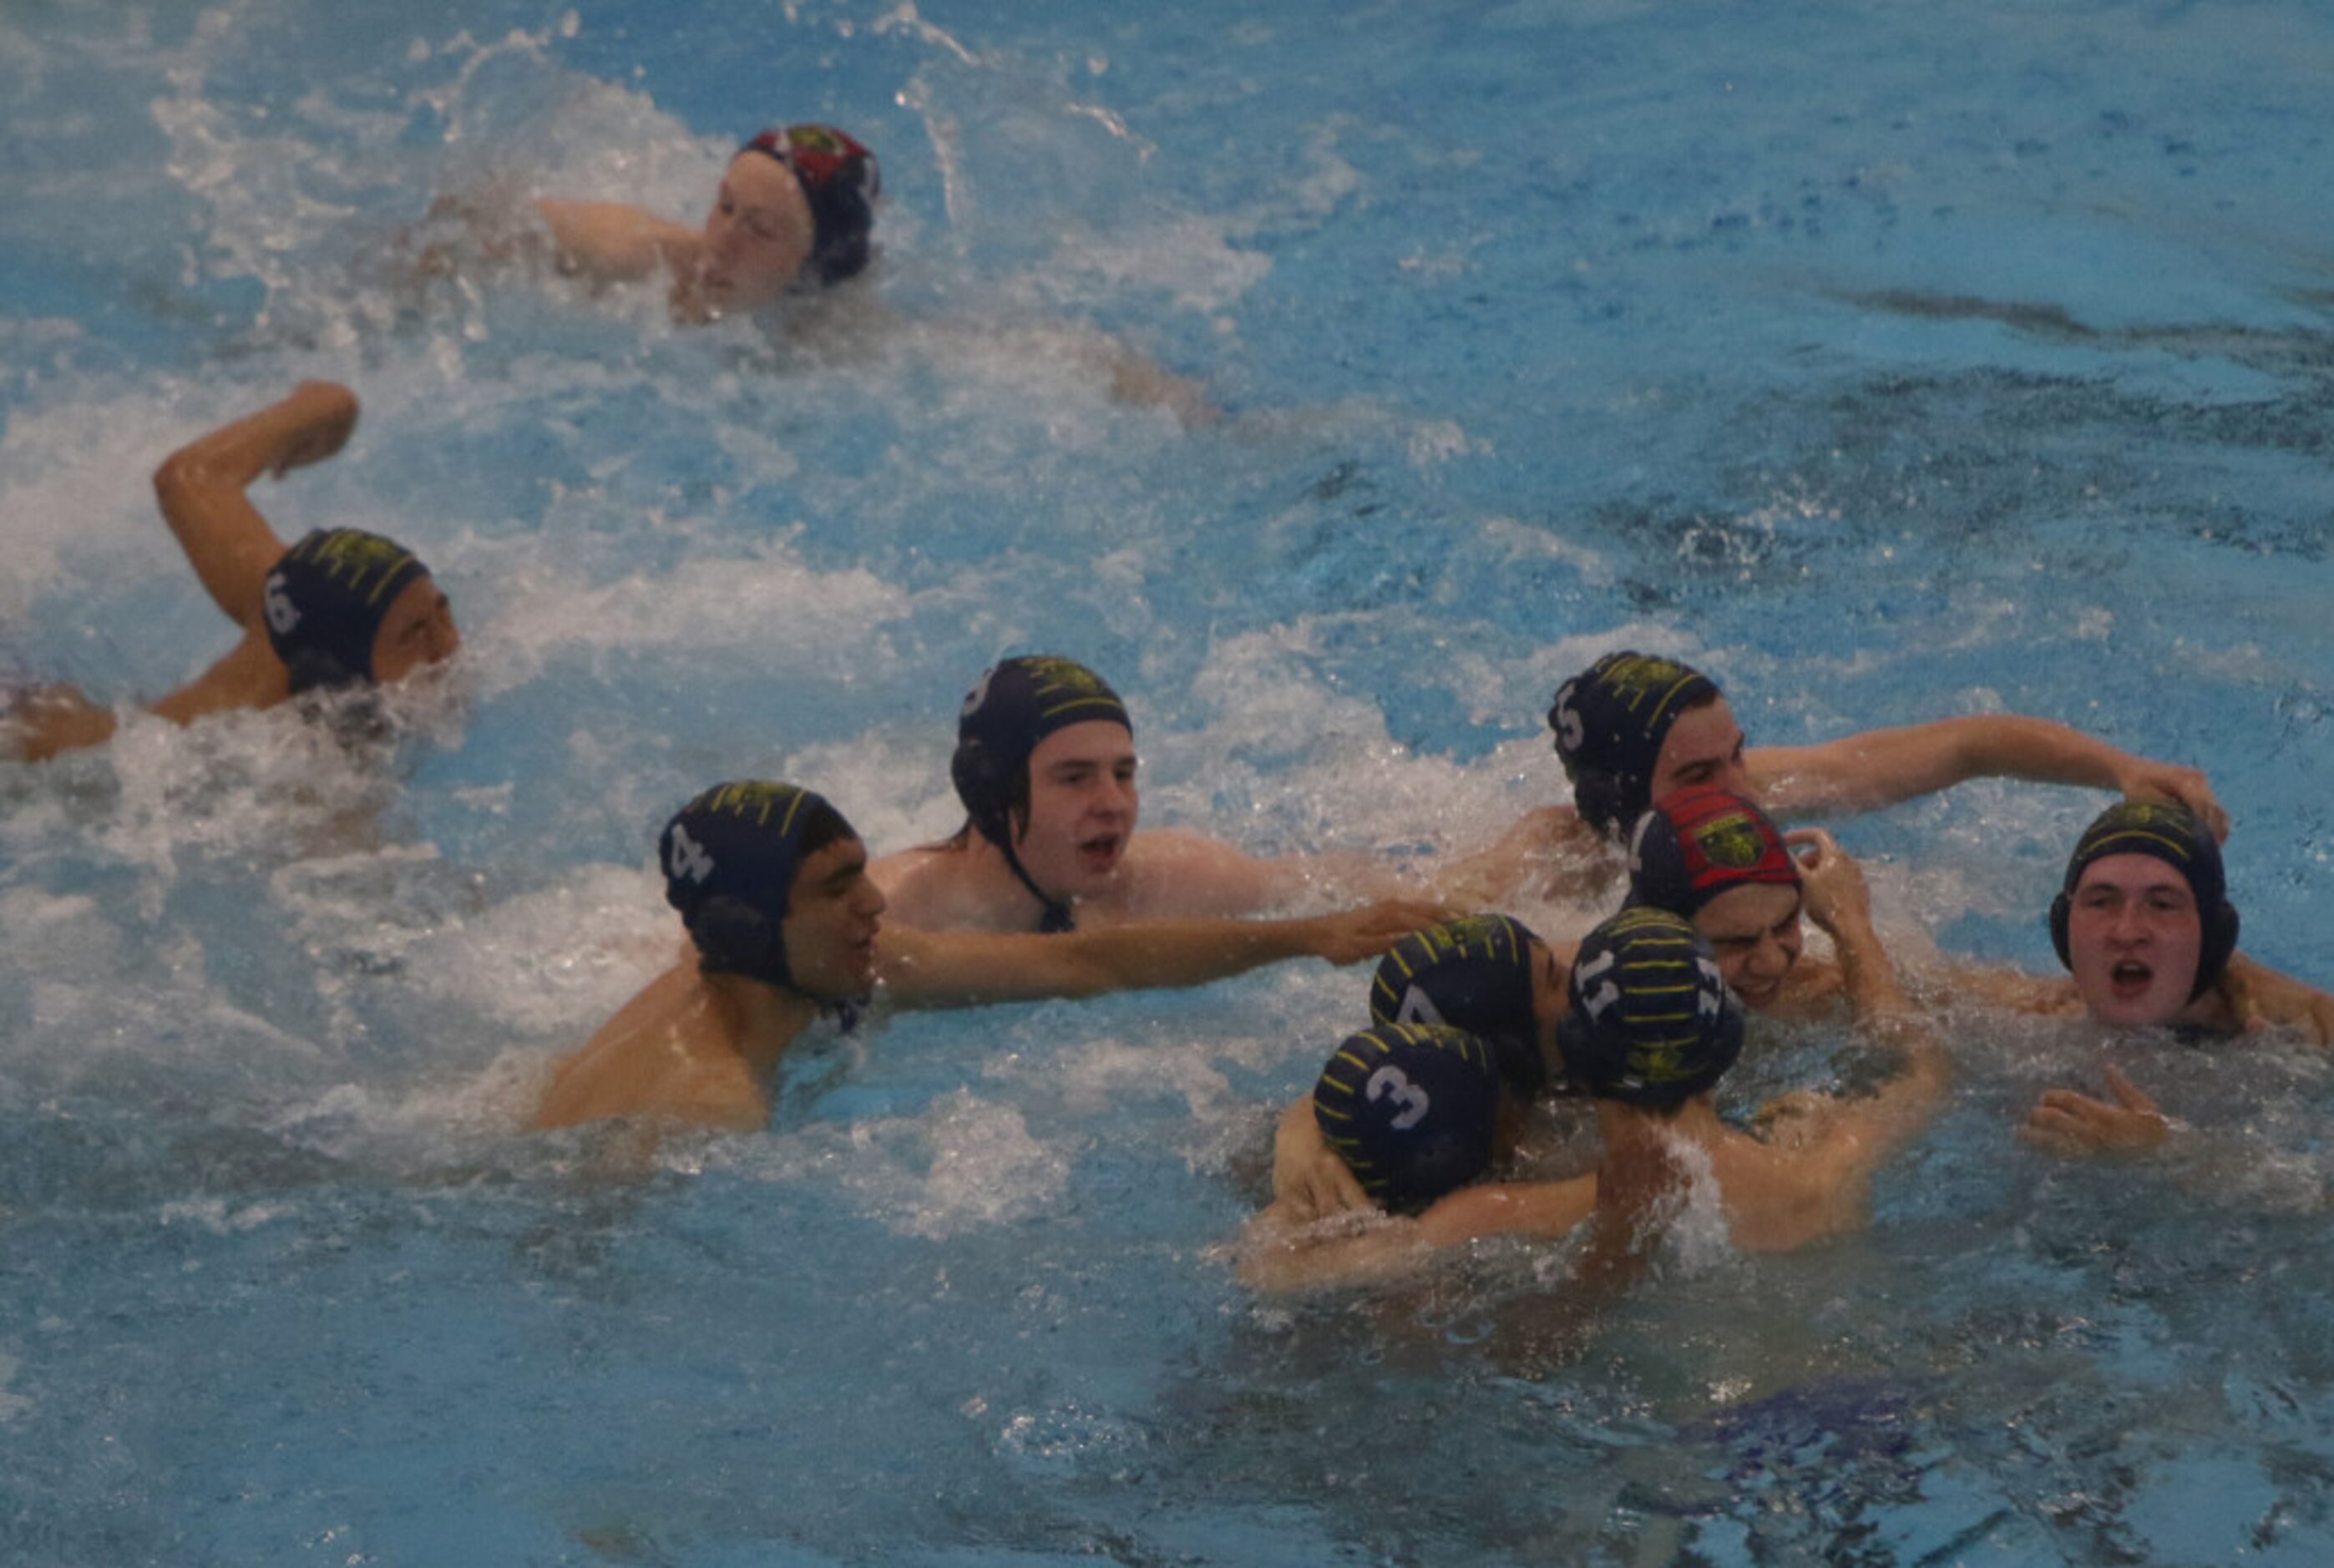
column 1389, row 1082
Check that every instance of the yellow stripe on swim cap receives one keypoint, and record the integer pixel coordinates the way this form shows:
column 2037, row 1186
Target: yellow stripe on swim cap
column 2174, row 845
column 1331, row 1110
column 1345, row 1056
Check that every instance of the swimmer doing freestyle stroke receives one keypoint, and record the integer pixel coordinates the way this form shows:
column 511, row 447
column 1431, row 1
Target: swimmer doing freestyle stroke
column 785, row 924
column 1649, row 1030
column 340, row 608
column 791, row 218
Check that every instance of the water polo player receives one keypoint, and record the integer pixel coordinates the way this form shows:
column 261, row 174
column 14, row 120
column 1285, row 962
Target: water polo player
column 1633, row 728
column 1361, row 1138
column 795, row 209
column 785, row 924
column 1649, row 1030
column 340, row 608
column 1045, row 768
column 2144, row 923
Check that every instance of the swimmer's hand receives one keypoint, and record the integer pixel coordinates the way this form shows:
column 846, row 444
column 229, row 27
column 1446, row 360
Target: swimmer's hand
column 1364, row 933
column 2065, row 1122
column 2162, row 781
column 323, row 414
column 1309, row 1182
column 1833, row 883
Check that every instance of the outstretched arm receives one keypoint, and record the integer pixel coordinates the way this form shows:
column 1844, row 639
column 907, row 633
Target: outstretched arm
column 201, row 490
column 958, row 968
column 1862, row 773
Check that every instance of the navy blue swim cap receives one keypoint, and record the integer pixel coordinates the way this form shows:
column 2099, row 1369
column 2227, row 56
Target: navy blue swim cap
column 325, row 600
column 1694, row 845
column 841, row 180
column 1610, row 721
column 1473, row 974
column 1017, row 704
column 729, row 859
column 1650, row 1022
column 1411, row 1109
column 2177, row 836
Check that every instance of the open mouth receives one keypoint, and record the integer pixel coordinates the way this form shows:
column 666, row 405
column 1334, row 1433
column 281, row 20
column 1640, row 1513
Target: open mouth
column 1101, row 853
column 2130, row 977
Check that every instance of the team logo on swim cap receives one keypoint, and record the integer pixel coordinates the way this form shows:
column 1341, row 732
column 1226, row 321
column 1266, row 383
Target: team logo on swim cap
column 1731, row 841
column 1637, row 677
column 1049, row 673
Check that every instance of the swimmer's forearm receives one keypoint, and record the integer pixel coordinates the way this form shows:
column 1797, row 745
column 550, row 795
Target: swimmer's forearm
column 200, row 488
column 961, row 968
column 1881, row 767
column 1865, row 972
column 1167, row 955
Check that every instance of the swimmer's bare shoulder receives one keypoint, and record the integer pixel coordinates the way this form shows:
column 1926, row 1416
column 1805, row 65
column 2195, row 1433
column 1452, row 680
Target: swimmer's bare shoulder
column 665, row 1056
column 1178, row 873
column 929, row 887
column 613, row 242
column 1548, row 853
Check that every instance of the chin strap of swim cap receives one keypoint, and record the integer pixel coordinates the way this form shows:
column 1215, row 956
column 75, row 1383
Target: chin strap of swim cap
column 324, row 601
column 1018, row 703
column 729, row 859
column 1473, row 974
column 1609, row 722
column 840, row 179
column 1650, row 1022
column 2171, row 833
column 1694, row 845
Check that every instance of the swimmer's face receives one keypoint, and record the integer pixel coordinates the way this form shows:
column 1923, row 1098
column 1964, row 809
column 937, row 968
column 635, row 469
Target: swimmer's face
column 1755, row 931
column 832, row 914
column 757, row 237
column 2133, row 936
column 1702, row 748
column 1082, row 808
column 417, row 630
column 1549, row 997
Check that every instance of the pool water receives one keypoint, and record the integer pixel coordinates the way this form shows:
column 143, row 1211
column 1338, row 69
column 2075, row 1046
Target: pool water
column 1890, row 362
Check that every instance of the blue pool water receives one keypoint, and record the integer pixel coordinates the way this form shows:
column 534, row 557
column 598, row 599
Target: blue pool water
column 1890, row 361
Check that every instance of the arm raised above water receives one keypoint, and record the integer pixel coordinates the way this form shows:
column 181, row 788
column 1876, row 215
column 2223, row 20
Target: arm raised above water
column 1880, row 767
column 201, row 488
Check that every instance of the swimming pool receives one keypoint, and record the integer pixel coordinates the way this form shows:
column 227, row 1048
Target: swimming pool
column 1891, row 363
